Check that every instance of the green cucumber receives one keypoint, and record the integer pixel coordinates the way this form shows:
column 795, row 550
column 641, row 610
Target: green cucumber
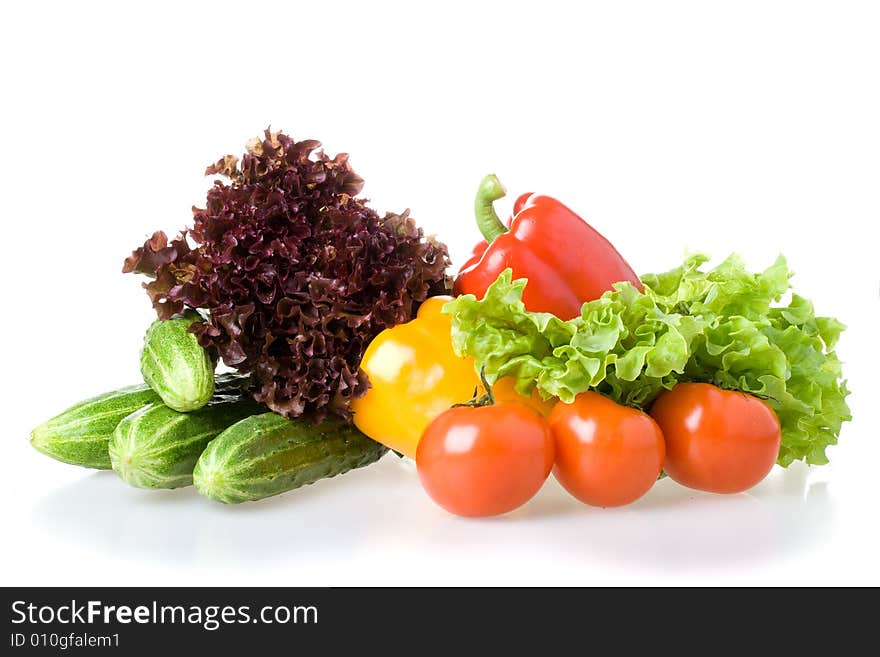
column 80, row 434
column 268, row 454
column 157, row 447
column 175, row 365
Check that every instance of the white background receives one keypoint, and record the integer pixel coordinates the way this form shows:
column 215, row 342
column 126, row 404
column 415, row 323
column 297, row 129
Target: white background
column 747, row 126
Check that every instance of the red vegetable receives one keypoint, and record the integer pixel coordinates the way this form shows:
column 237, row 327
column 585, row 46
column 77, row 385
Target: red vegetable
column 485, row 460
column 566, row 261
column 297, row 273
column 607, row 454
column 717, row 440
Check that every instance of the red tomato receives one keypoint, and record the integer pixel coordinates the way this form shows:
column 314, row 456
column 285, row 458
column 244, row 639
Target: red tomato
column 486, row 460
column 606, row 454
column 717, row 440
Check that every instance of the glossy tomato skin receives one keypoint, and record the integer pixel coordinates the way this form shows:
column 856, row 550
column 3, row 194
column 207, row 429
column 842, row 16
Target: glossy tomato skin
column 485, row 461
column 717, row 440
column 606, row 454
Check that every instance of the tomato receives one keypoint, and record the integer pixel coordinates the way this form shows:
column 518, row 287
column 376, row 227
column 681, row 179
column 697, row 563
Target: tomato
column 717, row 440
column 486, row 460
column 606, row 454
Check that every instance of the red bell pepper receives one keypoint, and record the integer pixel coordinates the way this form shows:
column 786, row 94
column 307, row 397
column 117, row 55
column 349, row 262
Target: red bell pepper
column 566, row 261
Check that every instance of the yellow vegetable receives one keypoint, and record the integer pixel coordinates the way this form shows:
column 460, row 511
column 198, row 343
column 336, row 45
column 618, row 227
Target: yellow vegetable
column 415, row 375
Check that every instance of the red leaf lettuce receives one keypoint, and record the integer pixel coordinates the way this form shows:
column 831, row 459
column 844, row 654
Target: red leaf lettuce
column 296, row 273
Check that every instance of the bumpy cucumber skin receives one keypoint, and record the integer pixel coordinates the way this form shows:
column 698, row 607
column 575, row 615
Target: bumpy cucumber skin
column 176, row 366
column 80, row 435
column 157, row 447
column 268, row 454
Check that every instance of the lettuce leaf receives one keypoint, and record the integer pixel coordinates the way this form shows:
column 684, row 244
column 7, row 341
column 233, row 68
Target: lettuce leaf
column 724, row 326
column 295, row 273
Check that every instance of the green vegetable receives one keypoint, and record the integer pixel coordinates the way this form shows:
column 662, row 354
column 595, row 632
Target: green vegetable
column 175, row 365
column 80, row 434
column 723, row 326
column 157, row 447
column 268, row 454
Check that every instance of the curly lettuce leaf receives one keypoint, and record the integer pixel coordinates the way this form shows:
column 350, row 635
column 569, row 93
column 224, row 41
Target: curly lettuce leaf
column 295, row 273
column 724, row 326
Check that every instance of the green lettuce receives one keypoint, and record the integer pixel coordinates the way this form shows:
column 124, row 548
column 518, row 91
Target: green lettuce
column 724, row 326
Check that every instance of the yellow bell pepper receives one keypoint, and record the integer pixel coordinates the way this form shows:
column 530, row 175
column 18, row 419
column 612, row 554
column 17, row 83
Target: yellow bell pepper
column 415, row 375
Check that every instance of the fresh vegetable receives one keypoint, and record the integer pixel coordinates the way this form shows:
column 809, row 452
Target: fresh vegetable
column 80, row 434
column 565, row 260
column 334, row 319
column 716, row 440
column 268, row 454
column 414, row 376
column 297, row 274
column 723, row 326
column 175, row 365
column 157, row 447
column 606, row 454
column 485, row 460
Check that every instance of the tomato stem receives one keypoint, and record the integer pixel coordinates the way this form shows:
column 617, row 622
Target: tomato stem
column 759, row 395
column 486, row 400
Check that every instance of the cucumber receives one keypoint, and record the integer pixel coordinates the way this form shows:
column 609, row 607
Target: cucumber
column 157, row 447
column 268, row 454
column 175, row 365
column 80, row 434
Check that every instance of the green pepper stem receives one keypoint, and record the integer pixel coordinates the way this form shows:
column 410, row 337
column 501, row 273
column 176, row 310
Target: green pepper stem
column 489, row 191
